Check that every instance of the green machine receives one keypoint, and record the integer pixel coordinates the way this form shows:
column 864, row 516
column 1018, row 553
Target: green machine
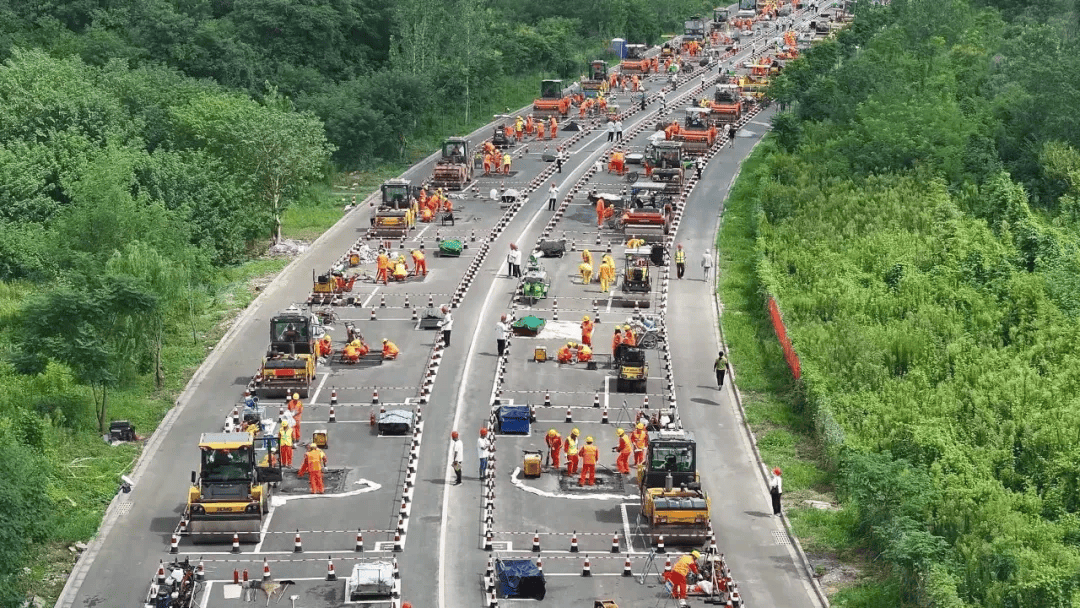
column 535, row 283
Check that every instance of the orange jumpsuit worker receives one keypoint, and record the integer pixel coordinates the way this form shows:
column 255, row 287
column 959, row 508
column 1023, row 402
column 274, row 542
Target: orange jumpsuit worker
column 297, row 408
column 584, row 354
column 589, row 455
column 616, row 340
column 383, row 262
column 488, row 161
column 286, row 441
column 677, row 576
column 570, row 446
column 540, row 126
column 419, row 263
column 326, row 347
column 554, row 443
column 314, row 461
column 389, row 350
column 352, row 353
column 600, row 212
column 565, row 354
column 623, row 461
column 640, row 440
column 628, row 336
column 586, row 330
column 506, row 164
column 552, row 128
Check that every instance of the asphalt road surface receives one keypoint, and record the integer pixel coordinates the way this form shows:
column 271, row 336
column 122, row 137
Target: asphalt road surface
column 395, row 492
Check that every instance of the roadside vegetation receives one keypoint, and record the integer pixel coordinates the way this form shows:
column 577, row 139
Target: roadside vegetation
column 913, row 215
column 150, row 152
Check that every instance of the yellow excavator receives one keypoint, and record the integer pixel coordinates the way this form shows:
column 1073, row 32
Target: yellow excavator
column 672, row 501
column 230, row 493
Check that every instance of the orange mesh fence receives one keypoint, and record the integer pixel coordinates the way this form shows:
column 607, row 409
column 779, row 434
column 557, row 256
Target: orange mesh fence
column 781, row 334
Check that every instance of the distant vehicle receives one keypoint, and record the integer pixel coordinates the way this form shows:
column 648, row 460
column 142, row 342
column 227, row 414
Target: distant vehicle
column 694, row 29
column 747, row 8
column 635, row 62
column 453, row 171
column 552, row 102
column 596, row 78
column 720, row 16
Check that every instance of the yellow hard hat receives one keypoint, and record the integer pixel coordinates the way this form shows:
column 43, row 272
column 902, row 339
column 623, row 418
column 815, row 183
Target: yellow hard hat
column 641, row 425
column 296, row 395
column 552, row 433
column 575, row 432
column 695, row 554
column 586, row 318
column 620, row 432
column 588, row 439
column 626, row 327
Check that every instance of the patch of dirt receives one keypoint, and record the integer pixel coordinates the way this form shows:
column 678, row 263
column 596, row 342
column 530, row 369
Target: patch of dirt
column 832, row 574
column 287, row 248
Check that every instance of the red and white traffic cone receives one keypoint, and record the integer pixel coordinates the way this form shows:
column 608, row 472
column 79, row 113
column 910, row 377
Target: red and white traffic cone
column 573, row 543
column 627, row 569
column 266, row 571
column 298, row 546
column 331, row 574
column 235, row 543
column 586, row 568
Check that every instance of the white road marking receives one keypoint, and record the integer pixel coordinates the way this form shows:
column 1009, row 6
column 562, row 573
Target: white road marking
column 421, row 233
column 368, row 300
column 319, row 389
column 626, row 527
column 277, row 501
column 517, row 482
column 206, row 594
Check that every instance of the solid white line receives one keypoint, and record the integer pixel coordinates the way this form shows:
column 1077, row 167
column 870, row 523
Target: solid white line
column 368, row 300
column 626, row 528
column 206, row 594
column 607, row 391
column 319, row 388
column 266, row 524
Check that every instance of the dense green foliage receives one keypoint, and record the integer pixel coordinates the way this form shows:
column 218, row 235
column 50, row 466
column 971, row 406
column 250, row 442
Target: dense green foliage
column 917, row 225
column 379, row 74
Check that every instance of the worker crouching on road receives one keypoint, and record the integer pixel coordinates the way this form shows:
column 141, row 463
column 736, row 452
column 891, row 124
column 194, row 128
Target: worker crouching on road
column 589, row 456
column 585, row 269
column 623, row 461
column 567, row 352
column 584, row 354
column 326, row 346
column 314, row 461
column 355, row 350
column 419, row 263
column 570, row 445
column 390, row 350
column 554, row 443
column 683, row 567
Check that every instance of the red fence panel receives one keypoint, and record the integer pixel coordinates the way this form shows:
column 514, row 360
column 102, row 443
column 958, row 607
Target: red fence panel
column 781, row 334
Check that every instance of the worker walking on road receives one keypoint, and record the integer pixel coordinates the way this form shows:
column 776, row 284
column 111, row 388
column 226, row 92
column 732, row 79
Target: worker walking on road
column 680, row 260
column 457, row 455
column 623, row 461
column 683, row 567
column 589, row 455
column 706, row 263
column 720, row 367
column 502, row 330
column 570, row 445
column 640, row 440
column 618, row 130
column 555, row 443
column 600, row 211
column 383, row 262
column 482, row 449
column 314, row 461
column 446, row 324
column 553, row 196
column 296, row 407
column 286, row 441
column 610, row 132
column 506, row 159
column 586, row 331
column 776, row 490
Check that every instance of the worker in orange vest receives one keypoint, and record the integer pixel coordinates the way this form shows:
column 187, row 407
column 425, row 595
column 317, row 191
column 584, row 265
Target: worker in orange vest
column 589, row 455
column 554, row 443
column 679, row 571
column 286, row 441
column 383, row 262
column 314, row 461
column 623, row 461
column 570, row 446
column 488, row 161
column 628, row 337
column 553, row 128
column 599, row 212
column 586, row 331
column 419, row 263
column 389, row 349
column 296, row 406
column 640, row 440
column 540, row 126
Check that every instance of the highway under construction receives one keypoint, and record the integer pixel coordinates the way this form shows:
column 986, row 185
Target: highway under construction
column 391, row 526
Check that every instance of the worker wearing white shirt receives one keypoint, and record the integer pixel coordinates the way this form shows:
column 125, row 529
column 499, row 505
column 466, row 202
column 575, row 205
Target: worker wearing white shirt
column 502, row 330
column 446, row 325
column 457, row 455
column 482, row 452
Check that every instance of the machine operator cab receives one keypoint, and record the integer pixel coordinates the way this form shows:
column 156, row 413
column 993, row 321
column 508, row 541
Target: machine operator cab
column 636, row 51
column 551, row 89
column 396, row 193
column 696, row 118
column 664, row 154
column 455, row 150
column 719, row 16
column 598, row 70
column 671, row 453
column 694, row 29
column 726, row 94
column 232, row 463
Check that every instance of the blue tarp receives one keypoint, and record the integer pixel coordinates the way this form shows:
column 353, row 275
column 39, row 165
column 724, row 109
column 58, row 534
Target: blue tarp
column 514, row 419
column 519, row 578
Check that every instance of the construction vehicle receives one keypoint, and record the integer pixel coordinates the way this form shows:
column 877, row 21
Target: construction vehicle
column 747, row 9
column 596, row 80
column 720, row 16
column 666, row 160
column 390, row 219
column 230, row 494
column 648, row 224
column 552, row 102
column 753, row 88
column 500, row 137
column 636, row 62
column 695, row 132
column 633, row 370
column 636, row 269
column 727, row 104
column 694, row 29
column 329, row 287
column 667, row 51
column 673, row 505
column 454, row 170
column 289, row 365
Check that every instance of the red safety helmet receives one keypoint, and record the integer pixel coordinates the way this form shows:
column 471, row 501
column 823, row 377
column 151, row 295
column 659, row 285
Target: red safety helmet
column 453, row 435
column 483, row 431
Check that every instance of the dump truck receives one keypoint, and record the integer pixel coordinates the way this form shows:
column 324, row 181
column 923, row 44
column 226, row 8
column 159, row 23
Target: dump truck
column 390, row 219
column 454, row 170
column 673, row 504
column 694, row 29
column 552, row 102
column 666, row 158
column 230, row 493
column 596, row 79
column 290, row 361
column 727, row 104
column 695, row 132
column 636, row 62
